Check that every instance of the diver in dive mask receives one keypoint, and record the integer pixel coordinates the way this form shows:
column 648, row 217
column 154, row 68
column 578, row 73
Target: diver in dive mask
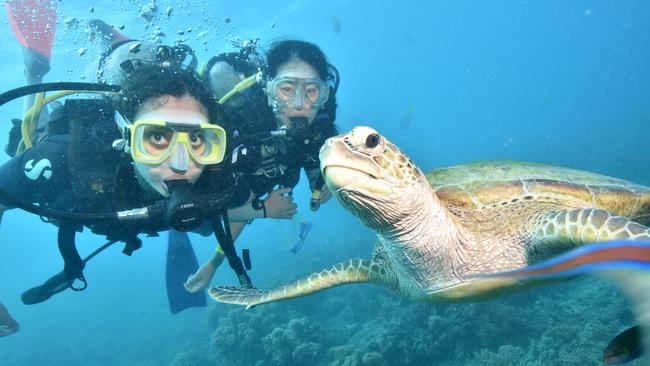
column 279, row 119
column 163, row 170
column 119, row 57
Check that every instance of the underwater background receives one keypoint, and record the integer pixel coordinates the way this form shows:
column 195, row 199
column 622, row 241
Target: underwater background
column 557, row 82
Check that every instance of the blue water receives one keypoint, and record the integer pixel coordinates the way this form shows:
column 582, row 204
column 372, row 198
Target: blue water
column 559, row 82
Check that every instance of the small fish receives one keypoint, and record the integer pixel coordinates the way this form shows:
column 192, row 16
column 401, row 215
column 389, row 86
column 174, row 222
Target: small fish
column 625, row 347
column 305, row 228
column 407, row 118
column 336, row 25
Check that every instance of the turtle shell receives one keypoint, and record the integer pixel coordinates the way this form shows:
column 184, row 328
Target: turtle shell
column 493, row 183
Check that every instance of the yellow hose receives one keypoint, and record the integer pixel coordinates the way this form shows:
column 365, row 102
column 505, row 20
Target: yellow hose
column 30, row 120
column 244, row 84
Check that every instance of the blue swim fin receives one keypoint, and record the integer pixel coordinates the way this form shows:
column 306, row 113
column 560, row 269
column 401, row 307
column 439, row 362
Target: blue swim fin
column 181, row 262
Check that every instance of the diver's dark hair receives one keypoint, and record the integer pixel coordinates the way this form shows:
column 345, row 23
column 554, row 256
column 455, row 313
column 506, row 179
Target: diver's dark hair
column 284, row 51
column 155, row 80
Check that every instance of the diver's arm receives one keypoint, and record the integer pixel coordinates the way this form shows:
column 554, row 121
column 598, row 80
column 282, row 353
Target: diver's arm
column 245, row 212
column 278, row 204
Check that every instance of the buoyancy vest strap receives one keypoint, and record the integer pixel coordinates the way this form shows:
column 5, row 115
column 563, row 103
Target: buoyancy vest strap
column 56, row 283
column 224, row 238
column 73, row 264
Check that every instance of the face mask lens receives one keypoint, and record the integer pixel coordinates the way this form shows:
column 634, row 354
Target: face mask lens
column 155, row 140
column 196, row 139
column 285, row 92
column 207, row 147
column 298, row 91
column 312, row 93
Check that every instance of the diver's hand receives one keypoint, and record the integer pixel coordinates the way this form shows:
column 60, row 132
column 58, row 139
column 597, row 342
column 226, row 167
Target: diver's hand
column 7, row 324
column 280, row 205
column 201, row 279
column 325, row 194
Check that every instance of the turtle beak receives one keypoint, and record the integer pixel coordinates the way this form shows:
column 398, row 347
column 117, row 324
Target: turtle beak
column 346, row 169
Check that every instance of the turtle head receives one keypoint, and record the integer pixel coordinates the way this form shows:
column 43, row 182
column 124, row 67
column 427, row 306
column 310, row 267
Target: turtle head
column 371, row 177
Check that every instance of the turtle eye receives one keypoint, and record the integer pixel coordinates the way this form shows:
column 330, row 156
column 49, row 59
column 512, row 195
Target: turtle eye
column 372, row 140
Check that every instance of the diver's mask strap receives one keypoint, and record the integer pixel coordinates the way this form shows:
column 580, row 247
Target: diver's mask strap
column 224, row 237
column 73, row 264
column 335, row 78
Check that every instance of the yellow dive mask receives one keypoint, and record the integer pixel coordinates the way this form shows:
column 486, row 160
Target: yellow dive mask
column 154, row 141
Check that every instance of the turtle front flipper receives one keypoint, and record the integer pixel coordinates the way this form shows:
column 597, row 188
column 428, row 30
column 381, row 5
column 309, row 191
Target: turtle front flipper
column 560, row 231
column 353, row 271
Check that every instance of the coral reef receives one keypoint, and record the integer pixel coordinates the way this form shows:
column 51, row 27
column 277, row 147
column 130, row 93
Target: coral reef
column 192, row 358
column 566, row 324
column 268, row 336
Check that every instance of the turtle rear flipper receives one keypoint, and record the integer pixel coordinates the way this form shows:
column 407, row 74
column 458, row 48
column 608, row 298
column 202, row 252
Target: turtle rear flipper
column 353, row 271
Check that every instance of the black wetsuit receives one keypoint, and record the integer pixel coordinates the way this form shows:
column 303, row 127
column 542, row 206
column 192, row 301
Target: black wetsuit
column 274, row 160
column 75, row 169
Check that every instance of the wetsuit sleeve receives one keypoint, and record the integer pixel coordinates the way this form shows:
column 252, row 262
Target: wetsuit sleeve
column 38, row 174
column 312, row 163
column 240, row 195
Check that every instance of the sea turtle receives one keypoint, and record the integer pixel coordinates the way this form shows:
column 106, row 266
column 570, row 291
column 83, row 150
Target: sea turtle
column 440, row 233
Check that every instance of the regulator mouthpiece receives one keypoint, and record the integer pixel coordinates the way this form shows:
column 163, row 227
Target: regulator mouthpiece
column 184, row 212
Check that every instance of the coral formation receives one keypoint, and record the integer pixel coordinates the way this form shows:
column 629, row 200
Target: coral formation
column 566, row 324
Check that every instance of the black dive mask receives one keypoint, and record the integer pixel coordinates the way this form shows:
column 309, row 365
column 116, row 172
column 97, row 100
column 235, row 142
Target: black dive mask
column 184, row 211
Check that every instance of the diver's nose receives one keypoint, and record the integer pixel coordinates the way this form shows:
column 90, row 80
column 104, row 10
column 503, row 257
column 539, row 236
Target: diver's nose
column 180, row 159
column 298, row 101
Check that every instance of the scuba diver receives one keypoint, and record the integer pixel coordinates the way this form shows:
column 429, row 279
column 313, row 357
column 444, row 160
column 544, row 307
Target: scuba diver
column 277, row 127
column 119, row 56
column 144, row 161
